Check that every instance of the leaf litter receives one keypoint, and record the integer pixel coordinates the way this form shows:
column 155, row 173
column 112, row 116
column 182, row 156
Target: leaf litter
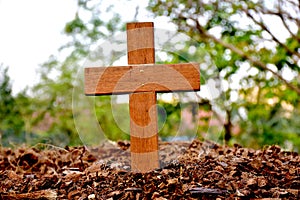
column 195, row 170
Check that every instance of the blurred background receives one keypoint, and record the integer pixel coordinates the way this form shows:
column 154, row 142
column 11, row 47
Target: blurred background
column 249, row 55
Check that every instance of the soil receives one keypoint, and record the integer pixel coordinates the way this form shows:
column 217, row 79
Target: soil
column 190, row 170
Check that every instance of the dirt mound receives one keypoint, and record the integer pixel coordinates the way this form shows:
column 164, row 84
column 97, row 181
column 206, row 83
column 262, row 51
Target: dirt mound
column 189, row 171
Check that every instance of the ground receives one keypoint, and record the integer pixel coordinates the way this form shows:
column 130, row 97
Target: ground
column 194, row 170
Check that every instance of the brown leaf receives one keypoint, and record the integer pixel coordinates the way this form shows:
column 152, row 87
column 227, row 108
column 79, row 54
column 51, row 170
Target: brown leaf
column 251, row 181
column 256, row 163
column 261, row 181
column 173, row 181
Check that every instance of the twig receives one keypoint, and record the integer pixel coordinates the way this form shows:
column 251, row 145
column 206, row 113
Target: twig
column 244, row 55
column 42, row 194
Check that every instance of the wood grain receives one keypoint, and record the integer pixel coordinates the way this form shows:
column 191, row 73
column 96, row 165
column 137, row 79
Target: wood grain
column 143, row 122
column 142, row 78
column 140, row 43
column 145, row 161
column 142, row 106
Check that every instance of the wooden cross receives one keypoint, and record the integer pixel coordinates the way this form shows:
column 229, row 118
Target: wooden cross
column 142, row 79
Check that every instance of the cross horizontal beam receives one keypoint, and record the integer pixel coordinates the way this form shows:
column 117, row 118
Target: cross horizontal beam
column 142, row 78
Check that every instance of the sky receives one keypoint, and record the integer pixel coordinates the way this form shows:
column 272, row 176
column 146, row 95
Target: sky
column 30, row 31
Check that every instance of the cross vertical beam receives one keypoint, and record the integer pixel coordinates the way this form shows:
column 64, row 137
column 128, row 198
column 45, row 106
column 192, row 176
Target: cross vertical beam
column 142, row 105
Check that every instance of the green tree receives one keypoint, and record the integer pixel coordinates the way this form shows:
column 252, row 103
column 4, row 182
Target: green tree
column 62, row 74
column 11, row 122
column 248, row 59
column 53, row 101
column 242, row 58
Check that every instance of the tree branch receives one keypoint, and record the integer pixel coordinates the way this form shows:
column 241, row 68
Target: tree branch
column 245, row 55
column 264, row 27
column 283, row 17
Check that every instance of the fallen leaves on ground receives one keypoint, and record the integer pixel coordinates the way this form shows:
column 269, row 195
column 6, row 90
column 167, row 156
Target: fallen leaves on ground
column 197, row 170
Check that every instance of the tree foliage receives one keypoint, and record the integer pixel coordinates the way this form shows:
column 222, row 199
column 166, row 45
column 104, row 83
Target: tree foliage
column 62, row 74
column 11, row 122
column 248, row 52
column 254, row 61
